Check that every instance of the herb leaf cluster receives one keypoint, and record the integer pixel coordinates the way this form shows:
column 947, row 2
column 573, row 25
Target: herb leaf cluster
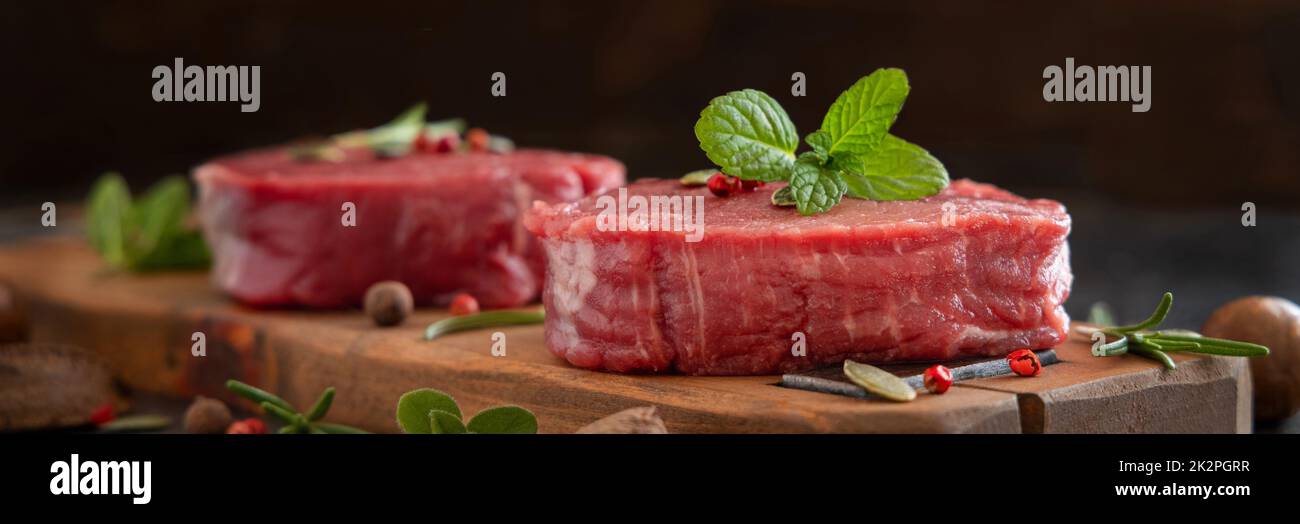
column 429, row 411
column 150, row 233
column 396, row 137
column 750, row 136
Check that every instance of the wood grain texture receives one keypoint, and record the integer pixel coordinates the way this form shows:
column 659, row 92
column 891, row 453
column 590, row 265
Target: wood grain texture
column 142, row 325
column 1130, row 394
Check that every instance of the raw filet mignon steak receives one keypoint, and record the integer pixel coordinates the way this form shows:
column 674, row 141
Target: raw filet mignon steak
column 871, row 281
column 440, row 223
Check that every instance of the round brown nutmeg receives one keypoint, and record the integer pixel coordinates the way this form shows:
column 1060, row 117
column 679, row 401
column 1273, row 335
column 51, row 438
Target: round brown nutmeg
column 207, row 415
column 1272, row 322
column 389, row 303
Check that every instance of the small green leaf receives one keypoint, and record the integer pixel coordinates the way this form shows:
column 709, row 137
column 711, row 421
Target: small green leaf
column 503, row 420
column 179, row 250
column 107, row 209
column 322, row 405
column 863, row 114
column 698, row 177
column 414, row 407
column 895, row 170
column 149, row 233
column 749, row 135
column 444, row 423
column 157, row 234
column 158, row 214
column 816, row 158
column 815, row 189
column 820, row 141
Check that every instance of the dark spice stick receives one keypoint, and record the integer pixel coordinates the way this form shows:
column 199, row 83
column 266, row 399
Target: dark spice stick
column 986, row 369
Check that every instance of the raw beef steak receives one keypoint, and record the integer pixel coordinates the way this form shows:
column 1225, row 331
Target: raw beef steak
column 440, row 223
column 871, row 281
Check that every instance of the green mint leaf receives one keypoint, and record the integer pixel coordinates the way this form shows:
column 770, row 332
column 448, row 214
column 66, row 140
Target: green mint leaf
column 444, row 423
column 181, row 250
column 157, row 236
column 414, row 407
column 699, row 177
column 820, row 141
column 815, row 188
column 862, row 115
column 749, row 135
column 896, row 170
column 107, row 208
column 816, row 158
column 157, row 216
column 504, row 420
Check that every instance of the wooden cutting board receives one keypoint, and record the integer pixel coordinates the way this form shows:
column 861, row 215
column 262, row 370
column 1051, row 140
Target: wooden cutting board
column 143, row 325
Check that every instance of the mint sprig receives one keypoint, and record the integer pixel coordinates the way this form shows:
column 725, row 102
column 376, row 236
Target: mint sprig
column 150, row 233
column 396, row 137
column 751, row 137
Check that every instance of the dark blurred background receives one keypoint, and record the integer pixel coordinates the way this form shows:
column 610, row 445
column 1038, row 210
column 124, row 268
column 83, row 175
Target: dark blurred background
column 1156, row 196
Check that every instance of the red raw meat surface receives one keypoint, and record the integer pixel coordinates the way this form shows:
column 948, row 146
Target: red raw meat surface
column 440, row 223
column 871, row 281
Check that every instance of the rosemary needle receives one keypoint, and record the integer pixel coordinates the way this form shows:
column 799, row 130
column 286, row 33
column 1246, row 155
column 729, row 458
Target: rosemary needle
column 1160, row 356
column 483, row 320
column 1137, row 338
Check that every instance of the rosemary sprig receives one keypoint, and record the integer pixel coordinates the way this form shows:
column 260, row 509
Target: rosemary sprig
column 1141, row 340
column 295, row 422
column 485, row 319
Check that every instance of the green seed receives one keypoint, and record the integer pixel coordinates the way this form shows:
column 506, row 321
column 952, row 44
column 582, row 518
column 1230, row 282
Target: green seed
column 697, row 178
column 878, row 381
column 783, row 197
